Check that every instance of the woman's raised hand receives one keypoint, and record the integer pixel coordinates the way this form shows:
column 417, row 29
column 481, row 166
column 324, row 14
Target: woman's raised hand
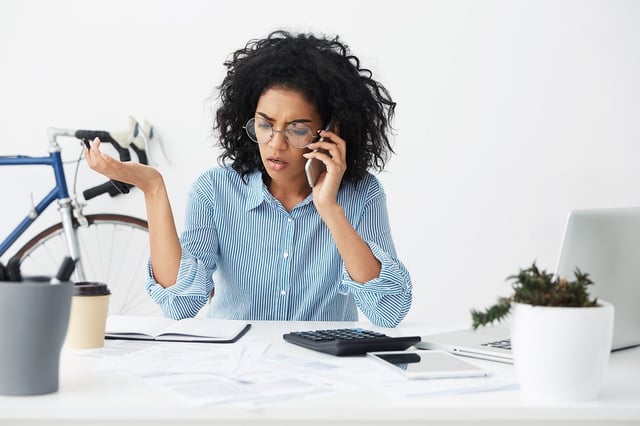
column 140, row 175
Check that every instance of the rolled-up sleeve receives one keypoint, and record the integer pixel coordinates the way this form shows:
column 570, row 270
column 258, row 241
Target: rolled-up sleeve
column 190, row 292
column 384, row 300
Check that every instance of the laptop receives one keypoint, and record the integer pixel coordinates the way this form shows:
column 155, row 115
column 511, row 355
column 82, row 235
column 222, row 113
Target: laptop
column 605, row 243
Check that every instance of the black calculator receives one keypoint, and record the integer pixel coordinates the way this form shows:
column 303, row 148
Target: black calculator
column 349, row 341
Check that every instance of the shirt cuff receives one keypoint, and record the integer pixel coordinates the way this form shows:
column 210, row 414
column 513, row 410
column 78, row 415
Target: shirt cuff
column 394, row 277
column 189, row 293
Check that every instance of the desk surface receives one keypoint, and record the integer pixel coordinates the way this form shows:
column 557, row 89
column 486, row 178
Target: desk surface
column 89, row 395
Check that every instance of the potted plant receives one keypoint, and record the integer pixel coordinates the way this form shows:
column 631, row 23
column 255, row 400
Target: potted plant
column 560, row 336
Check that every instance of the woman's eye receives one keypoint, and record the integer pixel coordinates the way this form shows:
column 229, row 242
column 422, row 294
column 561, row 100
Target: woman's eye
column 299, row 130
column 263, row 125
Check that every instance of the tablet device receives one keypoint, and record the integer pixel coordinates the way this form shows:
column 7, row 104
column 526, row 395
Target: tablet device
column 427, row 364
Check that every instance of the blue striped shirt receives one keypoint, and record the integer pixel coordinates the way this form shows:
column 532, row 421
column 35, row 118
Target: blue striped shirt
column 269, row 264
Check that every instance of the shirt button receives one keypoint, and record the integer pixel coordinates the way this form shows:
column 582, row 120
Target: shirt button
column 283, row 292
column 289, row 220
column 286, row 254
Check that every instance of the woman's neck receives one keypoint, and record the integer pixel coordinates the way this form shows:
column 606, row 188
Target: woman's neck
column 290, row 194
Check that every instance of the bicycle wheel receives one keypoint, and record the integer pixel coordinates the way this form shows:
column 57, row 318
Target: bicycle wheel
column 113, row 249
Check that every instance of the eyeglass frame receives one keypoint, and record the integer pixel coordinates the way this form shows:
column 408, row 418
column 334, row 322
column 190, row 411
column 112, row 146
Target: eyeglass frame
column 314, row 138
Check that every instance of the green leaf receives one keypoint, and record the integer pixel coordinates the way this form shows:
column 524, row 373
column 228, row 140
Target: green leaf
column 537, row 287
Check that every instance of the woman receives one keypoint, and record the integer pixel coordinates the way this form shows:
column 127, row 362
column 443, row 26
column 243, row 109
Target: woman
column 258, row 239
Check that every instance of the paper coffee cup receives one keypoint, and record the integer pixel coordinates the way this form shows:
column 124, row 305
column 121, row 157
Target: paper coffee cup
column 89, row 306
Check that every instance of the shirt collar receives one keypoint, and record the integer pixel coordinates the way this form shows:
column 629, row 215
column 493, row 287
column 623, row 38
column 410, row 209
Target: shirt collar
column 256, row 190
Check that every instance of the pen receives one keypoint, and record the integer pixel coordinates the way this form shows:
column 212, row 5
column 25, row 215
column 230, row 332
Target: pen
column 64, row 272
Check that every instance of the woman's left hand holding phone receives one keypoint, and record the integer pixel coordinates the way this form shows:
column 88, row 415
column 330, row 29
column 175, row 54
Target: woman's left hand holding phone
column 325, row 191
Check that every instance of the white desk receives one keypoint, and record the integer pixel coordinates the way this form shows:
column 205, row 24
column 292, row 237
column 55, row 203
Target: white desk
column 88, row 396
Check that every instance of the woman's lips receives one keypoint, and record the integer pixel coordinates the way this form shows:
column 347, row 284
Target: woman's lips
column 276, row 163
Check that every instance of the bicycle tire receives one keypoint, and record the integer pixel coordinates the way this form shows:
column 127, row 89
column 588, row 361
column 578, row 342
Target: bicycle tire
column 113, row 249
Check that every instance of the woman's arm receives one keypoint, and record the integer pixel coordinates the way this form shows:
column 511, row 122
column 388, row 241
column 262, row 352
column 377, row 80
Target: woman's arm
column 379, row 282
column 386, row 299
column 358, row 258
column 163, row 238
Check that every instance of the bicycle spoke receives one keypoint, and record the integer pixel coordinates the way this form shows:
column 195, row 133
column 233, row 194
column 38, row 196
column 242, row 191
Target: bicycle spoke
column 125, row 255
column 113, row 249
column 48, row 259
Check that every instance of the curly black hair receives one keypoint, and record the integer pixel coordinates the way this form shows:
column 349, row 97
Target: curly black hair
column 328, row 75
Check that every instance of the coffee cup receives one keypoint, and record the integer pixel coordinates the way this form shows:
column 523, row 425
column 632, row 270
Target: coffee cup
column 89, row 306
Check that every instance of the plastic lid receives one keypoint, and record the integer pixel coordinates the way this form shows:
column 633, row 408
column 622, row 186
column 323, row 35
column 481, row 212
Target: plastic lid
column 87, row 288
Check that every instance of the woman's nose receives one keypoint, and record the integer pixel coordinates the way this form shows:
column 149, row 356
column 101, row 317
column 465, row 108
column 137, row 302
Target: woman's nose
column 278, row 140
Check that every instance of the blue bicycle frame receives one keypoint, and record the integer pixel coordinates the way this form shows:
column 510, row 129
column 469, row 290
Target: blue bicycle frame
column 60, row 193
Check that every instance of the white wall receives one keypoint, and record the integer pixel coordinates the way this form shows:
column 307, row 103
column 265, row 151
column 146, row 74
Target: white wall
column 510, row 113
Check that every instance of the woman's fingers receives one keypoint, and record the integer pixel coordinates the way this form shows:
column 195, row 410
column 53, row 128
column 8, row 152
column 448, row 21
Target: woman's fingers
column 333, row 144
column 137, row 174
column 101, row 162
column 327, row 186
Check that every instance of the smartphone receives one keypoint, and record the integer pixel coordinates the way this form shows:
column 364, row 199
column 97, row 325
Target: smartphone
column 433, row 364
column 314, row 168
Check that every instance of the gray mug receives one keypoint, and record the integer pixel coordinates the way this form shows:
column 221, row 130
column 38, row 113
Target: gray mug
column 34, row 316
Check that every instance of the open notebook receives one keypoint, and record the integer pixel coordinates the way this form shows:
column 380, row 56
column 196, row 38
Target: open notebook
column 128, row 327
column 602, row 242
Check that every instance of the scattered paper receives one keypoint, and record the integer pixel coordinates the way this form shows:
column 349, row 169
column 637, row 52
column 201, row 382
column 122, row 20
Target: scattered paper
column 250, row 374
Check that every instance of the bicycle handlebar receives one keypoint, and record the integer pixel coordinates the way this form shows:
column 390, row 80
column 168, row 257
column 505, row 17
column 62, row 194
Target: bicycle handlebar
column 140, row 153
column 89, row 135
column 135, row 139
column 108, row 187
column 112, row 186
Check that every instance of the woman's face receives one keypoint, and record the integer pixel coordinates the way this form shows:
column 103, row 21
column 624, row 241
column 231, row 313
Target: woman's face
column 281, row 108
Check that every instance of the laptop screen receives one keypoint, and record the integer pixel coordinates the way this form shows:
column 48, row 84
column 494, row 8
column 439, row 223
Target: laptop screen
column 605, row 243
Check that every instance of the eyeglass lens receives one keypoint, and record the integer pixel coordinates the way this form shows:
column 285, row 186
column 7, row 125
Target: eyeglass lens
column 297, row 135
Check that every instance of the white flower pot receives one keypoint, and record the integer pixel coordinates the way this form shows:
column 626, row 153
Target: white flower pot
column 561, row 354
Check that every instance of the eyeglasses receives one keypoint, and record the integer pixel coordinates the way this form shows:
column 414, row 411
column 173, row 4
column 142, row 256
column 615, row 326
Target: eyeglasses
column 297, row 135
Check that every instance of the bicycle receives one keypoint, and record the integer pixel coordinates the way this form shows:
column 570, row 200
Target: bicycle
column 106, row 247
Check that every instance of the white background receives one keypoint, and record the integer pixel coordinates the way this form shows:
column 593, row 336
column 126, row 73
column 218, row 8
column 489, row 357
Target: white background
column 510, row 113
